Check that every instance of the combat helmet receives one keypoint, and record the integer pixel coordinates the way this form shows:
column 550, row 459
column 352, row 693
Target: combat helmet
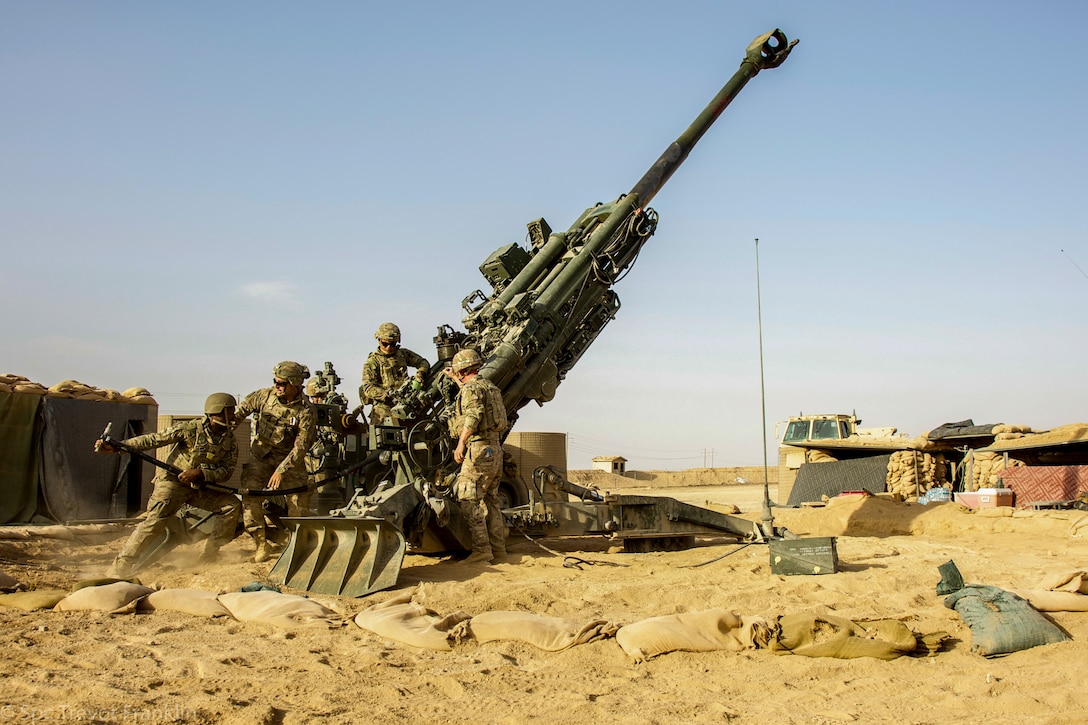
column 387, row 331
column 467, row 359
column 318, row 385
column 291, row 371
column 216, row 402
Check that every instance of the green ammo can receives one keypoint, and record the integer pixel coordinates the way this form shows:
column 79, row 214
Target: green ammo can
column 815, row 555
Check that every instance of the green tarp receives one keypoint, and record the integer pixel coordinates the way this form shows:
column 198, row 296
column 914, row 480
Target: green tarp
column 19, row 428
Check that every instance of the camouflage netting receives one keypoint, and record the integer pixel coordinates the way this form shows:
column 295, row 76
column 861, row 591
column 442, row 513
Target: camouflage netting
column 982, row 469
column 10, row 383
column 911, row 473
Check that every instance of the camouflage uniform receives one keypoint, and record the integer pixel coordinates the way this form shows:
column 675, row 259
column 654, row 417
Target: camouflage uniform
column 282, row 435
column 196, row 444
column 383, row 374
column 480, row 409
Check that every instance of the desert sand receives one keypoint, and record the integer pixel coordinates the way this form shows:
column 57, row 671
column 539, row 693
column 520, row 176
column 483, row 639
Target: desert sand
column 164, row 666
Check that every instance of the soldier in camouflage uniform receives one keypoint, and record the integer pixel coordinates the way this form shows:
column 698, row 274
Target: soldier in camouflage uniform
column 385, row 370
column 323, row 459
column 478, row 423
column 205, row 451
column 284, row 425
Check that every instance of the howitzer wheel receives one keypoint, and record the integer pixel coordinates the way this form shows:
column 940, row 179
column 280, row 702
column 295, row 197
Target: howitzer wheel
column 429, row 445
column 349, row 557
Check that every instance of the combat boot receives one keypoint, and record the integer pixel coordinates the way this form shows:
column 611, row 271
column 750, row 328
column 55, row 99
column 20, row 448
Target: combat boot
column 263, row 552
column 479, row 557
column 122, row 568
column 210, row 553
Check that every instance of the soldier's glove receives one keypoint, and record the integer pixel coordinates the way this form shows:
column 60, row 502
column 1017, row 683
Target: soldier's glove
column 194, row 477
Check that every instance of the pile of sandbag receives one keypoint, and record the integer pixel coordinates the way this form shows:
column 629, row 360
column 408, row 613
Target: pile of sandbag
column 911, row 473
column 982, row 469
column 11, row 383
column 1011, row 432
column 817, row 455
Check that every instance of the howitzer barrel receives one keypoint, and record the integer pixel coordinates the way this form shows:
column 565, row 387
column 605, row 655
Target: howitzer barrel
column 766, row 51
column 570, row 276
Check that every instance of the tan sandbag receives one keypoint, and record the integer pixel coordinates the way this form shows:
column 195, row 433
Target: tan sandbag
column 553, row 634
column 102, row 581
column 27, row 532
column 824, row 635
column 706, row 631
column 403, row 620
column 13, row 379
column 144, row 400
column 9, row 583
column 5, row 388
column 116, row 598
column 288, row 611
column 197, row 602
column 1067, row 581
column 1048, row 600
column 37, row 599
column 135, row 392
column 29, row 389
column 70, row 386
column 1079, row 526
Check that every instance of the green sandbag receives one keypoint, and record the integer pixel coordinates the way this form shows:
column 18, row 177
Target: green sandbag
column 1001, row 622
column 28, row 601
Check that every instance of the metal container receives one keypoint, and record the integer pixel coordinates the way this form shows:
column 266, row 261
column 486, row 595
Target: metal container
column 815, row 555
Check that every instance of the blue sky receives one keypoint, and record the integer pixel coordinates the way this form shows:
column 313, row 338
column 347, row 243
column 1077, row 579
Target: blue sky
column 191, row 192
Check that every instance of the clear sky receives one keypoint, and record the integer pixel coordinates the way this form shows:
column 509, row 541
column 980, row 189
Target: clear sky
column 191, row 192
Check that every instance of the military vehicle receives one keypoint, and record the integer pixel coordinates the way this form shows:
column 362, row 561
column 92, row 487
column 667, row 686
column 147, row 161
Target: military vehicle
column 805, row 437
column 549, row 303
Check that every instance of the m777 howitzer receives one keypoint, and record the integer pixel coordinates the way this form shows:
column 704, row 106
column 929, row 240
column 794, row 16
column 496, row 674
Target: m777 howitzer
column 550, row 302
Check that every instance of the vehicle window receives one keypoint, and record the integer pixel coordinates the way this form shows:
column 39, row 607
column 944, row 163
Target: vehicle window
column 796, row 431
column 825, row 429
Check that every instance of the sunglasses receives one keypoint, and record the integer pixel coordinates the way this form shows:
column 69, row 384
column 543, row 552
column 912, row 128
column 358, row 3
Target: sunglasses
column 387, row 343
column 280, row 383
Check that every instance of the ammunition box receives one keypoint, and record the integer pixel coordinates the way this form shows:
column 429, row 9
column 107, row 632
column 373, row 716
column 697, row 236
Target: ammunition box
column 816, row 555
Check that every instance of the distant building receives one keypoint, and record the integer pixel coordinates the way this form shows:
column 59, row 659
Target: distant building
column 611, row 464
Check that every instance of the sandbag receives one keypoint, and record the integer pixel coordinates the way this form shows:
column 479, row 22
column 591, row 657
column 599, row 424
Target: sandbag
column 1049, row 600
column 824, row 635
column 37, row 599
column 553, row 634
column 53, row 531
column 1066, row 581
column 197, row 602
column 116, row 598
column 705, row 631
column 407, row 621
column 288, row 611
column 1001, row 622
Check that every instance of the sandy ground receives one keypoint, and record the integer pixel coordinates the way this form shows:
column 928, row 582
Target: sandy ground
column 172, row 667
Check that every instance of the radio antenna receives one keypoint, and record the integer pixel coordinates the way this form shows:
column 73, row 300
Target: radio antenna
column 1075, row 264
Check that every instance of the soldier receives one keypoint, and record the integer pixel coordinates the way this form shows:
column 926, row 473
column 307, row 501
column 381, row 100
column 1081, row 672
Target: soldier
column 478, row 422
column 385, row 370
column 205, row 451
column 324, row 458
column 283, row 431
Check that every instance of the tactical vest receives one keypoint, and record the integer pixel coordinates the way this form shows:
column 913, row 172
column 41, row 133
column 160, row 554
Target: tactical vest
column 493, row 419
